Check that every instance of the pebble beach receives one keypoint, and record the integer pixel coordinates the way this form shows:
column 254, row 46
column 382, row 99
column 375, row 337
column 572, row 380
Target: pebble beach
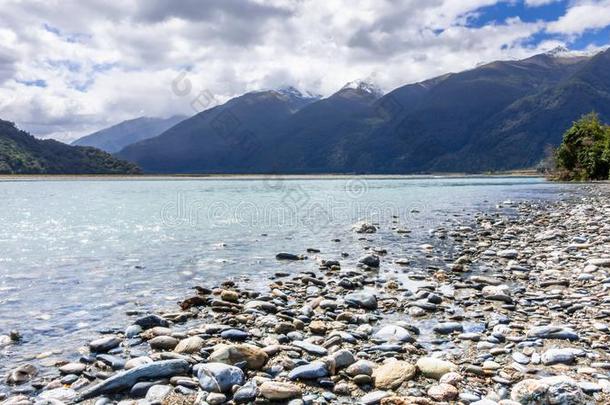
column 510, row 309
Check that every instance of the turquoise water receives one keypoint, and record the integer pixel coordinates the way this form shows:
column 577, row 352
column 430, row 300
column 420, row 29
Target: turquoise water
column 75, row 255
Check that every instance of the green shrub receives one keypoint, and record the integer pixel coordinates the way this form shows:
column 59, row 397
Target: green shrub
column 584, row 153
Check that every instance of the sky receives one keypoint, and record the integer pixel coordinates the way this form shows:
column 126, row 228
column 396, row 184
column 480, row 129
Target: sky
column 71, row 67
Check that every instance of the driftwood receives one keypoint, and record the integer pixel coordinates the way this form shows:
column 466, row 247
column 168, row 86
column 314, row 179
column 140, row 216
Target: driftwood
column 127, row 379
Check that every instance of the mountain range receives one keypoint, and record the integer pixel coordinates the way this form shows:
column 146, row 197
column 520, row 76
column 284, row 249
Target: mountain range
column 498, row 116
column 116, row 137
column 21, row 153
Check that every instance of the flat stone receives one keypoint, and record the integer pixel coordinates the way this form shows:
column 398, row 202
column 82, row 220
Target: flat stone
column 234, row 334
column 157, row 393
column 445, row 328
column 104, row 344
column 310, row 348
column 190, row 345
column 393, row 333
column 392, row 374
column 559, row 356
column 310, row 371
column 73, row 368
column 58, row 394
column 374, row 397
column 254, row 357
column 443, row 392
column 163, row 343
column 508, row 254
column 279, row 391
column 552, row 332
column 434, row 368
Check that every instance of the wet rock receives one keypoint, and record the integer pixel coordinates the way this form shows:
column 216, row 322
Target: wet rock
column 72, row 368
column 370, row 260
column 393, row 333
column 279, row 391
column 150, row 321
column 288, row 256
column 58, row 394
column 21, row 374
column 228, row 295
column 114, row 362
column 133, row 331
column 163, row 343
column 219, row 377
column 364, row 227
column 434, row 368
column 446, row 328
column 362, row 300
column 392, row 374
column 104, row 344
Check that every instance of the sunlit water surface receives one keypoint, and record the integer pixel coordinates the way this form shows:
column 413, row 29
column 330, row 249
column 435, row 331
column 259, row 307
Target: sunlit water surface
column 75, row 255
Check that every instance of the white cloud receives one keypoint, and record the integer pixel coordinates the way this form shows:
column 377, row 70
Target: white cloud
column 582, row 16
column 103, row 63
column 538, row 3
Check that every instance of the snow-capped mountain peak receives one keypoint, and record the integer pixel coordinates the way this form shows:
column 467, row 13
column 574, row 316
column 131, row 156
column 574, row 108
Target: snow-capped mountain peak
column 291, row 91
column 563, row 52
column 364, row 86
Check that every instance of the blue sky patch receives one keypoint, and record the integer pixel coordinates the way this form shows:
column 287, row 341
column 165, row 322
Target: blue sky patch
column 33, row 83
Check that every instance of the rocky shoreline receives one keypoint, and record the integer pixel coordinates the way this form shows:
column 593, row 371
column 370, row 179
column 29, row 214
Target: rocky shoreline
column 517, row 314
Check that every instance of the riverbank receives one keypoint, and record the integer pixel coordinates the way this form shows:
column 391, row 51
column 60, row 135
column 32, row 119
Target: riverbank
column 504, row 304
column 270, row 176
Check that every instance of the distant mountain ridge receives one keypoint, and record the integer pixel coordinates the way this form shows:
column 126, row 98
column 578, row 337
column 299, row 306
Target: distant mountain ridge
column 498, row 116
column 116, row 137
column 21, row 153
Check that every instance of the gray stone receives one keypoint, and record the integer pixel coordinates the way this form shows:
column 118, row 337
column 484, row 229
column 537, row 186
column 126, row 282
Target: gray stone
column 310, row 371
column 157, row 393
column 369, row 260
column 219, row 377
column 446, row 328
column 362, row 300
column 310, row 348
column 104, row 344
column 393, row 333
